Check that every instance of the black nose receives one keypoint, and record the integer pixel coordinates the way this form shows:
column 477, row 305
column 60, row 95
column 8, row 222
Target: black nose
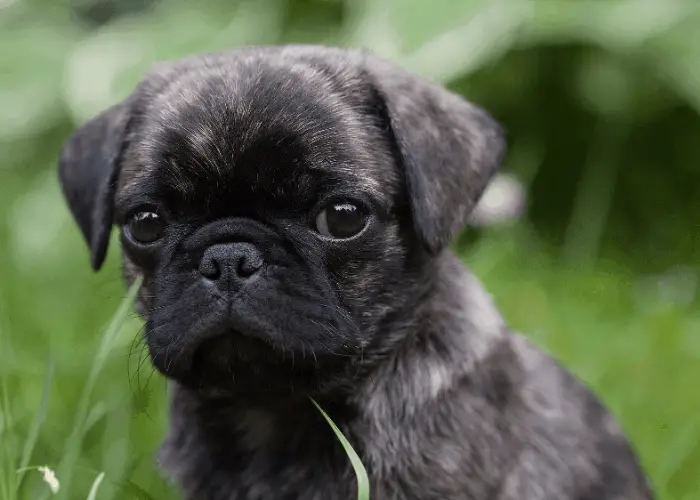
column 230, row 263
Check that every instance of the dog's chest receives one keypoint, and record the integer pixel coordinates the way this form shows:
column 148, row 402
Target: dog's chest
column 265, row 478
column 251, row 455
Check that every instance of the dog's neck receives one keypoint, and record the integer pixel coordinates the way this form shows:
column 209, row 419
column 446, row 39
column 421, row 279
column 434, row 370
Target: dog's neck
column 425, row 363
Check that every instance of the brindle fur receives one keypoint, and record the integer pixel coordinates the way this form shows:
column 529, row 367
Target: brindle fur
column 389, row 332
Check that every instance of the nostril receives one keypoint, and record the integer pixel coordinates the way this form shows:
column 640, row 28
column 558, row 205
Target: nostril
column 249, row 264
column 209, row 268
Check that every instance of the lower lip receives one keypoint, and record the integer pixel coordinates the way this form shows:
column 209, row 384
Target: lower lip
column 233, row 343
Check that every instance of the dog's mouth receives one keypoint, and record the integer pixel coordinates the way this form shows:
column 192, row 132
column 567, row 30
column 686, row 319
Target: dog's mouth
column 229, row 347
column 248, row 364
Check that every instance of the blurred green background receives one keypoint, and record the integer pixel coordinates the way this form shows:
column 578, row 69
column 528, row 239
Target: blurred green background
column 600, row 99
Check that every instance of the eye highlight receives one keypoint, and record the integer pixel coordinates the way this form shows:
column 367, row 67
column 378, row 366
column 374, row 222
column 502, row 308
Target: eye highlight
column 145, row 227
column 341, row 220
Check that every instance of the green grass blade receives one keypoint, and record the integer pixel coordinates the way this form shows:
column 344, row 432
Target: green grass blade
column 95, row 486
column 7, row 450
column 74, row 441
column 360, row 472
column 37, row 421
column 95, row 415
column 7, row 479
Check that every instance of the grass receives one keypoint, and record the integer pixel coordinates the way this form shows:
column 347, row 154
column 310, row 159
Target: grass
column 363, row 492
column 84, row 417
column 83, row 420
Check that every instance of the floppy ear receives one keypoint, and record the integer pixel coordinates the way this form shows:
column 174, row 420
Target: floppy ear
column 88, row 171
column 448, row 147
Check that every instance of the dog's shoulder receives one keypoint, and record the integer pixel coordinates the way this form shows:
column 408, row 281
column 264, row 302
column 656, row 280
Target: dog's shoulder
column 571, row 443
column 475, row 407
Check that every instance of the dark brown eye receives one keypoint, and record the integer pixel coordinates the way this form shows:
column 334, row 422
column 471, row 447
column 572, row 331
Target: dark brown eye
column 146, row 227
column 341, row 220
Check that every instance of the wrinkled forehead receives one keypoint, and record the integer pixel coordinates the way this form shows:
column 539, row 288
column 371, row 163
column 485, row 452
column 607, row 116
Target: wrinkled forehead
column 272, row 136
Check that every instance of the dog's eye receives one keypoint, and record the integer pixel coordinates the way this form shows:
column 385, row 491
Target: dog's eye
column 341, row 220
column 146, row 227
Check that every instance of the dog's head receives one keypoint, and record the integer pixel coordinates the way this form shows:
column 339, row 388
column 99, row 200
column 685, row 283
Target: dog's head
column 281, row 204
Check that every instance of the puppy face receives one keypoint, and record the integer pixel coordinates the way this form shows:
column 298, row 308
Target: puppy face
column 262, row 212
column 281, row 205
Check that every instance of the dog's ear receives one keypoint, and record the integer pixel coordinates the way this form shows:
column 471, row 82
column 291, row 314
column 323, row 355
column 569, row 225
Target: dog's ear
column 449, row 149
column 88, row 171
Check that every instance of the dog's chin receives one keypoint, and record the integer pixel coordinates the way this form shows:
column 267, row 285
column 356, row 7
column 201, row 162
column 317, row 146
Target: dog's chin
column 231, row 346
column 236, row 363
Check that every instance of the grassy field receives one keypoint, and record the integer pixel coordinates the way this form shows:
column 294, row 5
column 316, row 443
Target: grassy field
column 601, row 102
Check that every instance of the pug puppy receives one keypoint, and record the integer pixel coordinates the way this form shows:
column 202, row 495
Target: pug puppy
column 290, row 211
